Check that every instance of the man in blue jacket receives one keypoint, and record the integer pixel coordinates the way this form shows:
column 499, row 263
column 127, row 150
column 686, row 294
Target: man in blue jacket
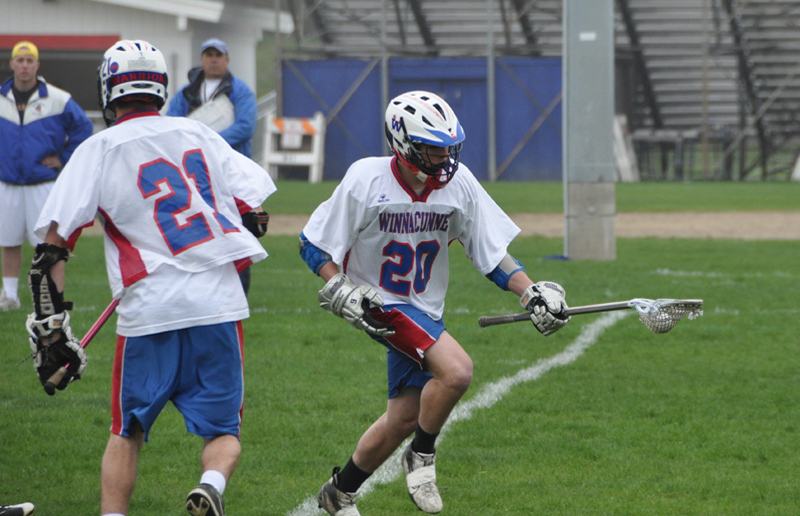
column 40, row 128
column 210, row 82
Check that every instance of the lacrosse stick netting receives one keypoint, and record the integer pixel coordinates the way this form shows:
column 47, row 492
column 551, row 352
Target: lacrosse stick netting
column 661, row 315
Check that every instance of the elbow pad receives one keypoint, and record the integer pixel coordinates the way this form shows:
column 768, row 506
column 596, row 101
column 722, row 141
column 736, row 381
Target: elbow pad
column 314, row 257
column 503, row 272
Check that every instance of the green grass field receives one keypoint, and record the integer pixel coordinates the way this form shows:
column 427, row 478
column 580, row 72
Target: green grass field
column 296, row 197
column 700, row 421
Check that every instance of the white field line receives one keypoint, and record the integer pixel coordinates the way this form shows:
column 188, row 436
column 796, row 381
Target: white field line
column 714, row 274
column 488, row 396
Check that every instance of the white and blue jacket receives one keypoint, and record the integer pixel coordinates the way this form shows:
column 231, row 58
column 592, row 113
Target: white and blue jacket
column 53, row 124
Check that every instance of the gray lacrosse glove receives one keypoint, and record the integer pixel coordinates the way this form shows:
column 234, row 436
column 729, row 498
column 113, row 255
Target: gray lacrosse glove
column 546, row 302
column 351, row 302
column 66, row 349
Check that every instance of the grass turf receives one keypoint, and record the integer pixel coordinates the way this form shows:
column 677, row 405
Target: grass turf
column 699, row 421
column 297, row 197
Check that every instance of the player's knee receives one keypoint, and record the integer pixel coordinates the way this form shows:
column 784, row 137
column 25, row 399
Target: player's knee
column 407, row 426
column 459, row 376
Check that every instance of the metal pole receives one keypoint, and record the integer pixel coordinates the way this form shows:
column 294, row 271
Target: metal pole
column 705, row 142
column 490, row 97
column 384, row 74
column 587, row 145
column 742, row 129
column 278, row 60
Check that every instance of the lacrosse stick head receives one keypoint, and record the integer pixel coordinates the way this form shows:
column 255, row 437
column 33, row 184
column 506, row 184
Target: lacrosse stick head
column 661, row 315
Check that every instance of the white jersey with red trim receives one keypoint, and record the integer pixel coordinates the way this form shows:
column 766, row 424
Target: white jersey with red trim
column 396, row 240
column 169, row 192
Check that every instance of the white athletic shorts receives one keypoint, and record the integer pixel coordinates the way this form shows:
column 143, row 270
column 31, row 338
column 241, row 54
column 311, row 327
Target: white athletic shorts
column 20, row 206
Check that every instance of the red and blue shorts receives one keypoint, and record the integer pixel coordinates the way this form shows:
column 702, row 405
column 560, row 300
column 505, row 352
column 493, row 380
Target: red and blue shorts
column 199, row 369
column 415, row 332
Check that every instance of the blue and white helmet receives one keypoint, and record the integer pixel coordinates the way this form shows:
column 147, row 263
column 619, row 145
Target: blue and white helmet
column 420, row 117
column 132, row 68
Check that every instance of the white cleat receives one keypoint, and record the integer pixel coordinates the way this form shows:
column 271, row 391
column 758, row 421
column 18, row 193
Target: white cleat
column 420, row 471
column 335, row 502
column 23, row 509
column 6, row 303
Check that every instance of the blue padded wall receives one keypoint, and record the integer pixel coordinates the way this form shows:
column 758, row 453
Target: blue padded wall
column 524, row 88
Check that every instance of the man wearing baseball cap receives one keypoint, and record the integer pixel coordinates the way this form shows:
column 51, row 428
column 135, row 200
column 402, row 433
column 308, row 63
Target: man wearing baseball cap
column 40, row 128
column 212, row 82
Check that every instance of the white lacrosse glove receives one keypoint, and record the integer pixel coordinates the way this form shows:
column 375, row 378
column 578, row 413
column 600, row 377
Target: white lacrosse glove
column 352, row 302
column 66, row 349
column 546, row 302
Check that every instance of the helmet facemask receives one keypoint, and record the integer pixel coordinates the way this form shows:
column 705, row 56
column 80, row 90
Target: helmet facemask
column 432, row 170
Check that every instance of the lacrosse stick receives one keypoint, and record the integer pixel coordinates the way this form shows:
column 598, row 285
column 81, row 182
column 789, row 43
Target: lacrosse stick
column 660, row 315
column 55, row 379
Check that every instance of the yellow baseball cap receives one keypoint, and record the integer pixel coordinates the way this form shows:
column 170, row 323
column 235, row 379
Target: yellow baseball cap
column 25, row 48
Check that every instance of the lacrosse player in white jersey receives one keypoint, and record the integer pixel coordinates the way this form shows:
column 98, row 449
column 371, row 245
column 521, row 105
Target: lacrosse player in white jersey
column 381, row 245
column 170, row 193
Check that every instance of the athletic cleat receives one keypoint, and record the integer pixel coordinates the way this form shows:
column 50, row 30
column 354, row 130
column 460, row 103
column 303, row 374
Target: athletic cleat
column 420, row 471
column 6, row 303
column 335, row 502
column 205, row 500
column 23, row 509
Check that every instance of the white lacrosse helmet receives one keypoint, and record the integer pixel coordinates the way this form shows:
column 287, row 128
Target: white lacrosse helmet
column 419, row 117
column 132, row 68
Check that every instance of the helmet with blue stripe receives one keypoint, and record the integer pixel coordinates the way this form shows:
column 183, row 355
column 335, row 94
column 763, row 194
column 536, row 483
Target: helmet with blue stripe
column 418, row 119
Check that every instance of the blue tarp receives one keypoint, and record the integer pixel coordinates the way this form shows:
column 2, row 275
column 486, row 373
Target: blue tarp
column 524, row 88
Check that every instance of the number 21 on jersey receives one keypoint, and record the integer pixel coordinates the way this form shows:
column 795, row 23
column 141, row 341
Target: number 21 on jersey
column 178, row 199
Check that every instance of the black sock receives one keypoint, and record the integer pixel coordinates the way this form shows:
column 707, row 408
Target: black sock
column 423, row 441
column 351, row 477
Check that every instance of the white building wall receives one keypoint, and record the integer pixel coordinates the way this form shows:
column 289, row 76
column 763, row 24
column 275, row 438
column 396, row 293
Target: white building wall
column 181, row 48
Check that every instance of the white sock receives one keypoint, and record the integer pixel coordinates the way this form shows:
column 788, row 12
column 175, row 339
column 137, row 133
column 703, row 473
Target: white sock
column 10, row 285
column 214, row 478
column 113, row 514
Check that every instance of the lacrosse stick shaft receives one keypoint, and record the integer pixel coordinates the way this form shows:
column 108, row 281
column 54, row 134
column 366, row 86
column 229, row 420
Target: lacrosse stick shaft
column 55, row 379
column 575, row 310
column 601, row 307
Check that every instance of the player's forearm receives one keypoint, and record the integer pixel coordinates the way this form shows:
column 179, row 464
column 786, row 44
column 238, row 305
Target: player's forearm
column 57, row 272
column 518, row 282
column 328, row 271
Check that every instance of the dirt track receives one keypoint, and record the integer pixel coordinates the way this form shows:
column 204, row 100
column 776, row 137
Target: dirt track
column 762, row 225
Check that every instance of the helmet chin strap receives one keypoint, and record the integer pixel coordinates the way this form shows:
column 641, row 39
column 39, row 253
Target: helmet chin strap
column 429, row 180
column 433, row 182
column 421, row 176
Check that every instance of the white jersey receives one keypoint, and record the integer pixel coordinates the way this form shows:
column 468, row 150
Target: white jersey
column 168, row 192
column 386, row 235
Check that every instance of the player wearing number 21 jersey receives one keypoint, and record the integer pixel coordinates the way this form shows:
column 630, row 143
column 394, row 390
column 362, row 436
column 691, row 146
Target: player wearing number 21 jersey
column 170, row 209
column 381, row 244
column 174, row 200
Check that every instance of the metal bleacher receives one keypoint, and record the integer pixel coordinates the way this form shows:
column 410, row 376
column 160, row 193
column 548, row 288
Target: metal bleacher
column 717, row 75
